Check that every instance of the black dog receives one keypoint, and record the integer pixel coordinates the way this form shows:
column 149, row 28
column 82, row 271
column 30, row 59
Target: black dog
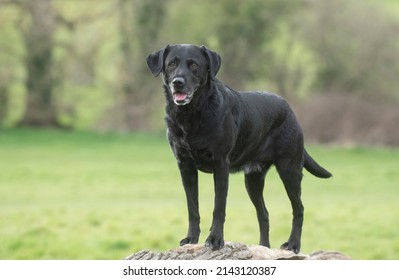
column 214, row 129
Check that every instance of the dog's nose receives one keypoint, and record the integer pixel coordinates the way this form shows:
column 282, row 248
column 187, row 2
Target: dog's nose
column 178, row 82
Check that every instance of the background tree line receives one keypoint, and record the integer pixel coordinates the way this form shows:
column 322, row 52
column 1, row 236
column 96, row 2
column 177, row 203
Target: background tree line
column 81, row 64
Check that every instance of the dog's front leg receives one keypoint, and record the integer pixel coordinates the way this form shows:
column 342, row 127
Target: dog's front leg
column 215, row 239
column 189, row 175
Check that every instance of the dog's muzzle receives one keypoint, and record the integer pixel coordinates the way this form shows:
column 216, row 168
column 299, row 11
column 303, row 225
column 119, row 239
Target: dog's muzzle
column 181, row 95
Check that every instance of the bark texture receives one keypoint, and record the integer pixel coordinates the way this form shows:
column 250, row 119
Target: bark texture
column 233, row 251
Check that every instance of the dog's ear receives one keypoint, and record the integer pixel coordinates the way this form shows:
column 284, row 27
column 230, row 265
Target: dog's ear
column 156, row 60
column 214, row 61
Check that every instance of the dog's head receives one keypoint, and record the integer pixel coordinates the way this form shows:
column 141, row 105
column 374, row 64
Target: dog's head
column 185, row 69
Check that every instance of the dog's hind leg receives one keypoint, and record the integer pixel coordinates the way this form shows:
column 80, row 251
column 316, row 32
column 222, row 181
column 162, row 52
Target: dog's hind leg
column 291, row 175
column 254, row 183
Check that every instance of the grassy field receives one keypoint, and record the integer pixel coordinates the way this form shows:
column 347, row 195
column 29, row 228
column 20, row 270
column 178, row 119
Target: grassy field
column 78, row 195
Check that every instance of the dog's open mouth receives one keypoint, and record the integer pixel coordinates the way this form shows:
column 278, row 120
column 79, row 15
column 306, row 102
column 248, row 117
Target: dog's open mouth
column 181, row 98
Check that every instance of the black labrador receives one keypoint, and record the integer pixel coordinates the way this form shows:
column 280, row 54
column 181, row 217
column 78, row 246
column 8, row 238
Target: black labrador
column 215, row 129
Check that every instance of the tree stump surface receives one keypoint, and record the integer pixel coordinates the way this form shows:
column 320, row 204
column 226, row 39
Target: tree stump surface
column 233, row 251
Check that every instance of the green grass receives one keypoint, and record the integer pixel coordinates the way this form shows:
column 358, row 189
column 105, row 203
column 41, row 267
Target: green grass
column 76, row 195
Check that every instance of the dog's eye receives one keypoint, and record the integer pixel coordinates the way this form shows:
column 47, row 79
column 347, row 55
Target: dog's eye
column 194, row 66
column 171, row 65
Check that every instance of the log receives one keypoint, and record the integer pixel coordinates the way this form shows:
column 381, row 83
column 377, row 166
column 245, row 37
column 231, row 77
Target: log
column 233, row 251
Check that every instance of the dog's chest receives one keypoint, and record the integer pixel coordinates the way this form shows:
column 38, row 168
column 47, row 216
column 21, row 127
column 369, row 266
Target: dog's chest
column 195, row 141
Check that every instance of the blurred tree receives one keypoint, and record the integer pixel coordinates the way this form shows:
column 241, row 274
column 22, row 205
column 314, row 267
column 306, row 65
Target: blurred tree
column 139, row 27
column 356, row 44
column 291, row 64
column 38, row 38
column 70, row 62
column 243, row 30
column 84, row 61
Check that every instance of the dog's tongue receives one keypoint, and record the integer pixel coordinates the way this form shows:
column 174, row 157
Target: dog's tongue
column 180, row 96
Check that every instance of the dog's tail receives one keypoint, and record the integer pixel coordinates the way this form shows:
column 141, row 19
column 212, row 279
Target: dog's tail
column 314, row 168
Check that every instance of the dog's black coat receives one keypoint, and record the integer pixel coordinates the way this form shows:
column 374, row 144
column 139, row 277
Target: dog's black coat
column 215, row 129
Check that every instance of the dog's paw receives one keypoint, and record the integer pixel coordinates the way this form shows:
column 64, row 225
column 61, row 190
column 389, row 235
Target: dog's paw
column 291, row 246
column 214, row 242
column 188, row 240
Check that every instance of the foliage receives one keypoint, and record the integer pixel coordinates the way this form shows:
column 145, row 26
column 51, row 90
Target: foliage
column 295, row 48
column 103, row 196
column 355, row 46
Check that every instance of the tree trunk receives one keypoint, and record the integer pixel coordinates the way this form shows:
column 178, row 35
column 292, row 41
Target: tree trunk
column 233, row 251
column 138, row 21
column 40, row 107
column 132, row 98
